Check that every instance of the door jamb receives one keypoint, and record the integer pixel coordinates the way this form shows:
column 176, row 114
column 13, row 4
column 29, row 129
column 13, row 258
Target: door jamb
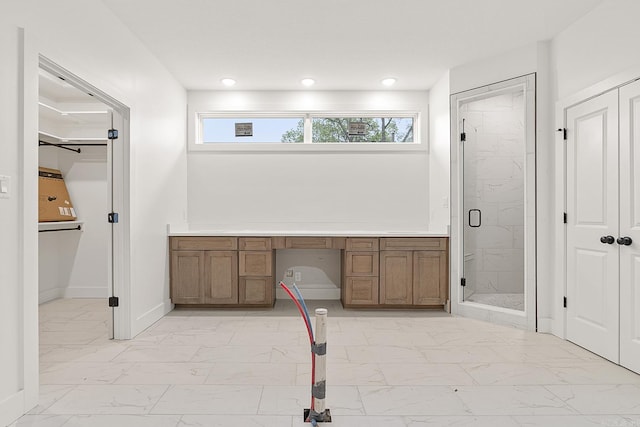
column 494, row 314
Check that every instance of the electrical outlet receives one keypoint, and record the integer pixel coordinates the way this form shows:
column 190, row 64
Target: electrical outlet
column 289, row 273
column 298, row 276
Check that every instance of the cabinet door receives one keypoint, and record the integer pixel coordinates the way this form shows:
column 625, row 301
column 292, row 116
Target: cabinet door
column 361, row 263
column 361, row 291
column 221, row 277
column 256, row 263
column 396, row 271
column 187, row 268
column 256, row 290
column 430, row 278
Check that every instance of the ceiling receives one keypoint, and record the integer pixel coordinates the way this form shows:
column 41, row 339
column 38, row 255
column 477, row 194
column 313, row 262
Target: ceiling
column 342, row 44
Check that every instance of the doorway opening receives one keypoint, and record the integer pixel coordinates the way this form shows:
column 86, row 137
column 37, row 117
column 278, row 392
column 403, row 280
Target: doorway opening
column 494, row 231
column 81, row 250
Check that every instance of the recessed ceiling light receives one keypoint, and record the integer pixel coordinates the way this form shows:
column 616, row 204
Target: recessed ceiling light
column 307, row 82
column 228, row 82
column 388, row 81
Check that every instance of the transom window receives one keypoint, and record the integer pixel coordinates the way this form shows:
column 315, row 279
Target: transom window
column 308, row 128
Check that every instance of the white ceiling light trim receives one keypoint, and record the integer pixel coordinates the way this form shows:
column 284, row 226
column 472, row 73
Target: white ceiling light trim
column 228, row 82
column 308, row 82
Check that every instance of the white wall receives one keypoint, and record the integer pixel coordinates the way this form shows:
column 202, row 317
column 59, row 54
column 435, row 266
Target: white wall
column 12, row 328
column 509, row 65
column 601, row 44
column 74, row 264
column 314, row 190
column 596, row 53
column 439, row 143
column 87, row 39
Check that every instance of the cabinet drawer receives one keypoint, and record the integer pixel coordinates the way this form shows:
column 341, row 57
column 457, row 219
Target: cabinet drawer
column 204, row 243
column 256, row 263
column 254, row 243
column 256, row 290
column 413, row 243
column 361, row 263
column 362, row 244
column 361, row 291
column 309, row 243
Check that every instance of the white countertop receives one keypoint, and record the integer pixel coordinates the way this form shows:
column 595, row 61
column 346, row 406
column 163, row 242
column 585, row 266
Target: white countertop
column 193, row 230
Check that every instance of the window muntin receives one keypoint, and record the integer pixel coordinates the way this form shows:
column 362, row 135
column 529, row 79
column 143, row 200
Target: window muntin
column 371, row 129
column 265, row 129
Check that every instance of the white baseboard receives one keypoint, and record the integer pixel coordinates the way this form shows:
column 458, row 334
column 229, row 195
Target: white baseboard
column 147, row 319
column 12, row 408
column 50, row 295
column 85, row 292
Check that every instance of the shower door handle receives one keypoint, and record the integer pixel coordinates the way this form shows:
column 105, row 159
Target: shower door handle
column 476, row 218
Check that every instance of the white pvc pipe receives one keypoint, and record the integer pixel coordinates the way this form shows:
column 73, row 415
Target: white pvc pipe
column 321, row 359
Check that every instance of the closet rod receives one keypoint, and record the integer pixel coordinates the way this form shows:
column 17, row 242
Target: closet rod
column 66, row 146
column 78, row 228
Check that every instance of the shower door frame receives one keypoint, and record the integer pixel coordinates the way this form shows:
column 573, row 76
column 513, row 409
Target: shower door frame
column 526, row 319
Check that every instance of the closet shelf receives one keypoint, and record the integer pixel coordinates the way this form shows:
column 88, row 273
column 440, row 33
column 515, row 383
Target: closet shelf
column 44, row 227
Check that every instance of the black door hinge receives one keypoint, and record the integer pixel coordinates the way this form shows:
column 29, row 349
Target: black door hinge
column 564, row 133
column 114, row 302
column 463, row 282
column 112, row 134
column 564, row 217
column 112, row 217
column 463, row 135
column 564, row 302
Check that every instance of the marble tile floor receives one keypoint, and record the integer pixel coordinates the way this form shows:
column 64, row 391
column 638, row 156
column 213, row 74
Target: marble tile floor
column 250, row 368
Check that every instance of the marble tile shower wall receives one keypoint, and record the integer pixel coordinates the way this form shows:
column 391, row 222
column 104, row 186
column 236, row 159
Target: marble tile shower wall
column 494, row 183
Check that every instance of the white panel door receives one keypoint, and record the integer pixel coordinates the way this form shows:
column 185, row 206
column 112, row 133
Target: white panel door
column 592, row 211
column 630, row 226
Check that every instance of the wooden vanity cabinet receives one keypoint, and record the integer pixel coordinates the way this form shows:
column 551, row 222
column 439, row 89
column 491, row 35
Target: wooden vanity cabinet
column 204, row 270
column 416, row 273
column 376, row 271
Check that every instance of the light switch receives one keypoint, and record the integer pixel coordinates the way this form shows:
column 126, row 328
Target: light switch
column 5, row 187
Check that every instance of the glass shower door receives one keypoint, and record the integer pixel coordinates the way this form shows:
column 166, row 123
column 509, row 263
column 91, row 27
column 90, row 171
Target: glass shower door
column 493, row 199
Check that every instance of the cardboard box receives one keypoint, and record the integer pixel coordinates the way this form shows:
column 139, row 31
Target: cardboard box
column 54, row 203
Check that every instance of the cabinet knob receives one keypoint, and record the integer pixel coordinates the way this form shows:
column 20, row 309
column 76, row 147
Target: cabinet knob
column 607, row 240
column 626, row 240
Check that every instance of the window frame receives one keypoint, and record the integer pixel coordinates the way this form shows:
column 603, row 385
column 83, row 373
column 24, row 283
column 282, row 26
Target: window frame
column 196, row 144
